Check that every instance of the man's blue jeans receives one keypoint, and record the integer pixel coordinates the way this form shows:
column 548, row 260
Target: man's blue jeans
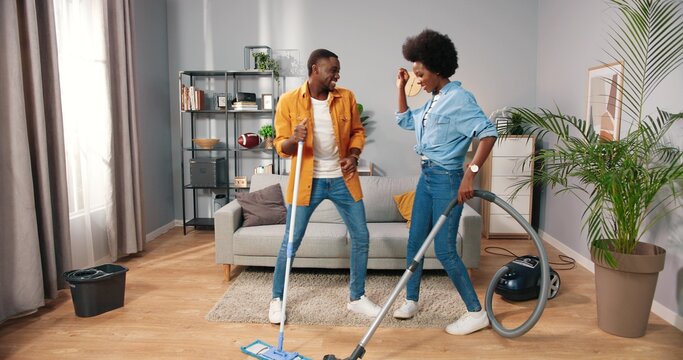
column 435, row 189
column 353, row 214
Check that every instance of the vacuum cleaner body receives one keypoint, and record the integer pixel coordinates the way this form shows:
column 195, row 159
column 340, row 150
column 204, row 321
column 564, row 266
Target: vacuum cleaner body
column 522, row 280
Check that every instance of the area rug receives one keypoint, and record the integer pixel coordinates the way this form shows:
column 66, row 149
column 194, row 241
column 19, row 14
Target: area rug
column 319, row 297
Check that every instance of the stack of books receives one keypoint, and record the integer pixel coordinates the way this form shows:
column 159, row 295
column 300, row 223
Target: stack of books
column 244, row 105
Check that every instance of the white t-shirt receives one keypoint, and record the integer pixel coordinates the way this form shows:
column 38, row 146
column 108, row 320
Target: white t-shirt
column 435, row 98
column 325, row 149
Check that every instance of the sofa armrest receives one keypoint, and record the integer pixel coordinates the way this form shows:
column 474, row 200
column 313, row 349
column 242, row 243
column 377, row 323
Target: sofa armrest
column 470, row 230
column 226, row 221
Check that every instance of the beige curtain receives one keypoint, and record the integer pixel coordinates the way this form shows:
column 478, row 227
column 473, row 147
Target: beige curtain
column 126, row 233
column 34, row 216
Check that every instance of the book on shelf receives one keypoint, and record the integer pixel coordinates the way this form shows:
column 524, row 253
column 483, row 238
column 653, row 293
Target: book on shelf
column 244, row 105
column 191, row 98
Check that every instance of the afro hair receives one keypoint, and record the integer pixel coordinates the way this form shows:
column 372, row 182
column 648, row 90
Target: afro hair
column 434, row 50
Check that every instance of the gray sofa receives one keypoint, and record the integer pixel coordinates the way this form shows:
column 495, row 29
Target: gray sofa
column 326, row 243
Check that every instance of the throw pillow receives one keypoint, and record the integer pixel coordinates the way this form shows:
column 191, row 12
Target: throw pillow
column 263, row 207
column 404, row 203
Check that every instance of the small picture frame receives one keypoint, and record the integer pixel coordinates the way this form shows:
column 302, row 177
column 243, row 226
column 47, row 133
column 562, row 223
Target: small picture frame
column 221, row 101
column 267, row 101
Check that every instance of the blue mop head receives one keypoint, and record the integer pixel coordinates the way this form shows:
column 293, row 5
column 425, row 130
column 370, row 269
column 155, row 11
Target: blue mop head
column 263, row 351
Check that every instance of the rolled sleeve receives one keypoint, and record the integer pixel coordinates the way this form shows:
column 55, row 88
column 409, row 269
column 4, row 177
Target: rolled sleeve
column 405, row 120
column 475, row 120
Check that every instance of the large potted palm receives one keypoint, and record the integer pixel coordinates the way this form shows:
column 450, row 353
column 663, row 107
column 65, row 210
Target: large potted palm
column 627, row 185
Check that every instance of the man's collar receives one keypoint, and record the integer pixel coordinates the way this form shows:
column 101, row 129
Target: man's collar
column 304, row 91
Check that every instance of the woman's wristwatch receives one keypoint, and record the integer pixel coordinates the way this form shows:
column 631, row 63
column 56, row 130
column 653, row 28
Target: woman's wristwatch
column 355, row 156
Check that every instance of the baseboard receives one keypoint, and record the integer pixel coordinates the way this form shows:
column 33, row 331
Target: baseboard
column 580, row 259
column 162, row 230
column 657, row 308
column 669, row 316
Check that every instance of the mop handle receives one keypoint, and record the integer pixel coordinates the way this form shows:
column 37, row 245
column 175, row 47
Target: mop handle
column 290, row 241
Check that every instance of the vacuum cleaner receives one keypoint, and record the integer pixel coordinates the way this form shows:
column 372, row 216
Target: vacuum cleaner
column 542, row 263
column 522, row 281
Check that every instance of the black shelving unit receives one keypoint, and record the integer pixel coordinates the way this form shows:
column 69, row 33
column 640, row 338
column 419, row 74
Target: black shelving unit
column 232, row 123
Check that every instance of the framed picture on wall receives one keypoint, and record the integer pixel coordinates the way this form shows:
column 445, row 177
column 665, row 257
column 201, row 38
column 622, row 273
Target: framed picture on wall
column 267, row 101
column 603, row 109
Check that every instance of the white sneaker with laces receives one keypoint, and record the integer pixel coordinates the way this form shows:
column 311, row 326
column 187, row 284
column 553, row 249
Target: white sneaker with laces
column 407, row 310
column 275, row 311
column 469, row 323
column 364, row 306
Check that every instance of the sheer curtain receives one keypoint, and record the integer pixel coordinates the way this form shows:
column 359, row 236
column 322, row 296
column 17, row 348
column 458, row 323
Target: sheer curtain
column 87, row 124
column 100, row 130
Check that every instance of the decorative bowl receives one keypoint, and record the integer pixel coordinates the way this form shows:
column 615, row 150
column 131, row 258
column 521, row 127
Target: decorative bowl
column 205, row 143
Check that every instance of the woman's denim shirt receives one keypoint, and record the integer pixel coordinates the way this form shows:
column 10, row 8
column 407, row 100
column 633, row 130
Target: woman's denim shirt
column 454, row 120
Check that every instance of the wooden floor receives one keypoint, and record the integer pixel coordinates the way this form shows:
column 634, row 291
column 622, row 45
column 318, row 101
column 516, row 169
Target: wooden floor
column 172, row 286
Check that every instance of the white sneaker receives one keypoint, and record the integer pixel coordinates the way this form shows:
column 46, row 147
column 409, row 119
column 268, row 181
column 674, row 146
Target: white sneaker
column 407, row 310
column 469, row 323
column 364, row 306
column 275, row 311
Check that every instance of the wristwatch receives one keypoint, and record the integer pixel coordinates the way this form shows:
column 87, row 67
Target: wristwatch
column 474, row 168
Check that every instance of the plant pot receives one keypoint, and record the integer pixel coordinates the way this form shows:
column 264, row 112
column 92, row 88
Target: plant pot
column 624, row 295
column 268, row 143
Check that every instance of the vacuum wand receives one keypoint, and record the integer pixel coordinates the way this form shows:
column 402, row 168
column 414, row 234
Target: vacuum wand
column 520, row 330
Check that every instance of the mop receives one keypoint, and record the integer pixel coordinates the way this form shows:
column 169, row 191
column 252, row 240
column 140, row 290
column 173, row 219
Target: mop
column 258, row 348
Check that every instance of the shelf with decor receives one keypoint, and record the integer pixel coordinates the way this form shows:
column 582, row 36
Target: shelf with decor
column 210, row 126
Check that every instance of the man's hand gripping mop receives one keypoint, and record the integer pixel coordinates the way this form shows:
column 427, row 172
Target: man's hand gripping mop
column 258, row 348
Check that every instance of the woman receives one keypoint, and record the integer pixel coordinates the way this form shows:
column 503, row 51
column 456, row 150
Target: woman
column 444, row 128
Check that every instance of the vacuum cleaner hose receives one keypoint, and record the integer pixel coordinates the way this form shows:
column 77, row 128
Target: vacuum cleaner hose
column 545, row 273
column 497, row 326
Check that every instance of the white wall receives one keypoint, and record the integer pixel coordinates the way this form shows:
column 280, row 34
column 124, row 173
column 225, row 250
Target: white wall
column 496, row 41
column 571, row 39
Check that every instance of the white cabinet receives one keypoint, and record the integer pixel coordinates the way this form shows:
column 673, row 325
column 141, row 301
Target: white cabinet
column 509, row 164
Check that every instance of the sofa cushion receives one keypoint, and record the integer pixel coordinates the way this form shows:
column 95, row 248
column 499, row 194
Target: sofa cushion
column 378, row 200
column 326, row 211
column 263, row 207
column 390, row 240
column 321, row 241
column 404, row 204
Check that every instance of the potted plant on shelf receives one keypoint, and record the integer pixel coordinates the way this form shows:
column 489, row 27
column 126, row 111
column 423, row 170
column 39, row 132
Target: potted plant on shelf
column 267, row 132
column 630, row 184
column 263, row 61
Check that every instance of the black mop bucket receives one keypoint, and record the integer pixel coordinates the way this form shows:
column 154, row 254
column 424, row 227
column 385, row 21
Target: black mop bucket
column 98, row 289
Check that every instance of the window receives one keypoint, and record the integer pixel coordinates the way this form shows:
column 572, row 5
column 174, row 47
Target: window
column 80, row 26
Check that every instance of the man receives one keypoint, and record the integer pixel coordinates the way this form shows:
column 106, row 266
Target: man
column 326, row 119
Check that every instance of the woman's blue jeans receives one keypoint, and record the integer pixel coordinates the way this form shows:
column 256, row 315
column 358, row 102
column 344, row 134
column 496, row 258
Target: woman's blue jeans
column 435, row 189
column 353, row 214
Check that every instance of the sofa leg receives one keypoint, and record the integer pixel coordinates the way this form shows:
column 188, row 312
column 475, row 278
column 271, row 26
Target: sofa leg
column 226, row 272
